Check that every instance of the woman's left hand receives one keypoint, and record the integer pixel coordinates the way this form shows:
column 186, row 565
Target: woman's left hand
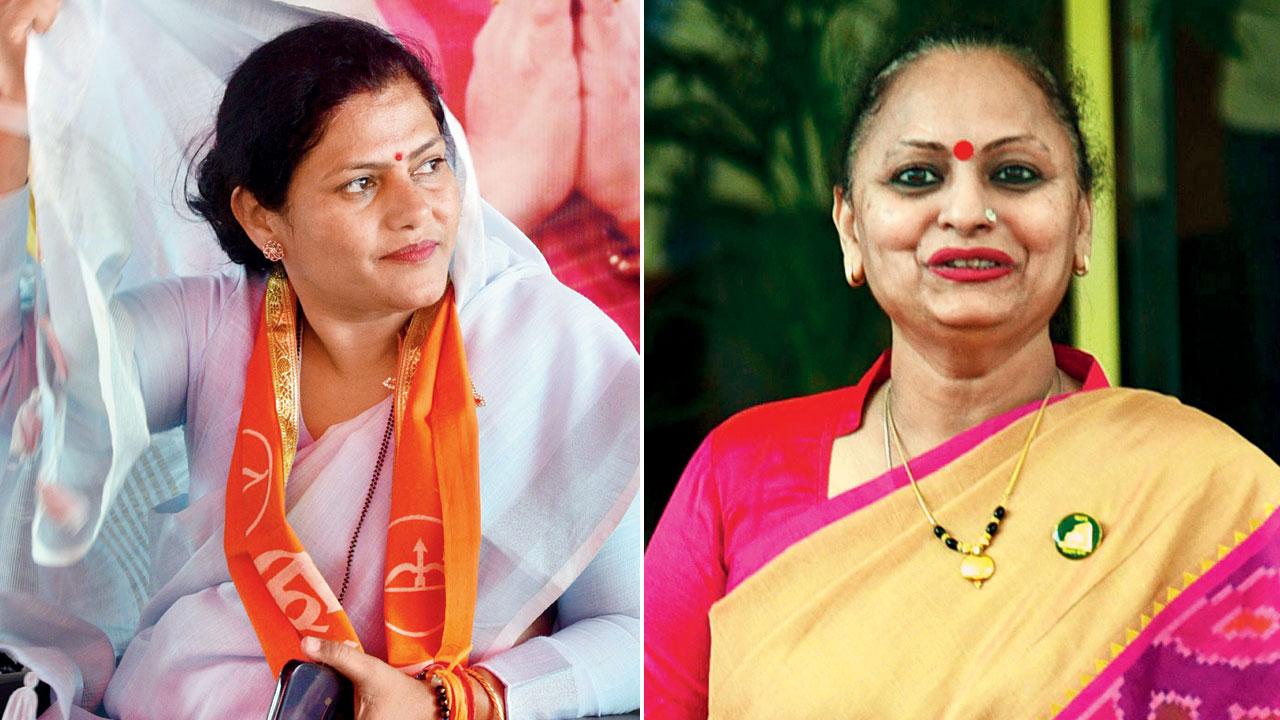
column 382, row 692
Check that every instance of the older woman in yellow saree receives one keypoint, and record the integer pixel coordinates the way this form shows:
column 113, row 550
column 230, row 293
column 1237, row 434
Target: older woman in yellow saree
column 982, row 526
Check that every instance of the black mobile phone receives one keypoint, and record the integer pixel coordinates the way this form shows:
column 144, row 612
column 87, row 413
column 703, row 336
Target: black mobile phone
column 13, row 677
column 311, row 691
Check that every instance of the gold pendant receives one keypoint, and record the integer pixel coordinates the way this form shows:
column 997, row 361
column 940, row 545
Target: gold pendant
column 977, row 569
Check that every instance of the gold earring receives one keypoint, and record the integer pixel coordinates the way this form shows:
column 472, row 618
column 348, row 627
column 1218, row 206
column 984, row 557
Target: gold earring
column 1082, row 269
column 273, row 251
column 857, row 280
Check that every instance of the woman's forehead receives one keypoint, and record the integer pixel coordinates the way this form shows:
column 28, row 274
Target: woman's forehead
column 384, row 119
column 975, row 95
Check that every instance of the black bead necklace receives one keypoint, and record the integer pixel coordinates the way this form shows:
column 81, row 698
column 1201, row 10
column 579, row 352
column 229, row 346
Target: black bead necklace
column 368, row 498
column 373, row 481
column 976, row 567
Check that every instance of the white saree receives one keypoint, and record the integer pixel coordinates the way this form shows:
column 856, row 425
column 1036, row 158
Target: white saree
column 559, row 436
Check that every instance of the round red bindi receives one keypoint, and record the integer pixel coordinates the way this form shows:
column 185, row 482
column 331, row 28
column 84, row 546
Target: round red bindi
column 963, row 150
column 399, row 157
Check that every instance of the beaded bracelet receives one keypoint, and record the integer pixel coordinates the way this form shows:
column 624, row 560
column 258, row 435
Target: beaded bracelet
column 449, row 690
column 443, row 701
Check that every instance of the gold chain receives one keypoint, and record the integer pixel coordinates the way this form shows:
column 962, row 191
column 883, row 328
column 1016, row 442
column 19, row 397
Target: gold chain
column 976, row 572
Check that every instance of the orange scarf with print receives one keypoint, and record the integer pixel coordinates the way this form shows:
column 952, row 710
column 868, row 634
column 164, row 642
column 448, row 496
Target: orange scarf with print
column 433, row 533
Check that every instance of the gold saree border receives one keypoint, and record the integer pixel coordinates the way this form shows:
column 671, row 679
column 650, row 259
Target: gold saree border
column 282, row 349
column 33, row 238
column 419, row 326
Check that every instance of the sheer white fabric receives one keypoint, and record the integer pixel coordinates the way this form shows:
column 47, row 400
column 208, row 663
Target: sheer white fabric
column 113, row 85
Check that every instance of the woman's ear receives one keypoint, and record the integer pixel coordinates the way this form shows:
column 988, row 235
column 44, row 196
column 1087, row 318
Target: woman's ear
column 842, row 215
column 260, row 224
column 1084, row 229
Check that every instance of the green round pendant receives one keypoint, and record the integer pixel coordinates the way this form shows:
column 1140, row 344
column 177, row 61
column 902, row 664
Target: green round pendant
column 1077, row 536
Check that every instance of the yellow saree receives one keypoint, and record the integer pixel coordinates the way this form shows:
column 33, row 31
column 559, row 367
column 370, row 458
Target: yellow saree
column 869, row 617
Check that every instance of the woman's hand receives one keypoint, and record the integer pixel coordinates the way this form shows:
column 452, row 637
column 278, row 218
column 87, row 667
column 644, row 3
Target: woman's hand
column 384, row 692
column 524, row 111
column 609, row 57
column 381, row 690
column 17, row 18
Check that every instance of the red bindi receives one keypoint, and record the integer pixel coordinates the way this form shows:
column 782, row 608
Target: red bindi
column 399, row 157
column 963, row 150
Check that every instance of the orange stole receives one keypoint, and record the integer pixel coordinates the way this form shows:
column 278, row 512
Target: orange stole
column 433, row 533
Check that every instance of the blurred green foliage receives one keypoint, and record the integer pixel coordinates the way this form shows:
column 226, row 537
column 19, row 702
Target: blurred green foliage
column 1211, row 23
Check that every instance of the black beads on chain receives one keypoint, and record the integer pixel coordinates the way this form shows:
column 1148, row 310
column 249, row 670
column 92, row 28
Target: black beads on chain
column 994, row 526
column 368, row 499
column 962, row 547
column 942, row 534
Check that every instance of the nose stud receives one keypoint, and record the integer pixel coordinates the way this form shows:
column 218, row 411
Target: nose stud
column 990, row 215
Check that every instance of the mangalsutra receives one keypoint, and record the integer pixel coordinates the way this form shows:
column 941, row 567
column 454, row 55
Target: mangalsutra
column 373, row 481
column 368, row 498
column 976, row 567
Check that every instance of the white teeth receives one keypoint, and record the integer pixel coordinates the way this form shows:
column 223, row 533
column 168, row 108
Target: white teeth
column 972, row 263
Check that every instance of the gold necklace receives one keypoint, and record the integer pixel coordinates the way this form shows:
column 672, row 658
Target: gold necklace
column 976, row 567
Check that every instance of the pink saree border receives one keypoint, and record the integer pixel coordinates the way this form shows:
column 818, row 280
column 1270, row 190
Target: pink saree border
column 1207, row 584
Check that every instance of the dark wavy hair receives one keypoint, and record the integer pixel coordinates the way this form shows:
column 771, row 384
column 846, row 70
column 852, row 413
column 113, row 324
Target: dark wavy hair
column 1060, row 95
column 276, row 107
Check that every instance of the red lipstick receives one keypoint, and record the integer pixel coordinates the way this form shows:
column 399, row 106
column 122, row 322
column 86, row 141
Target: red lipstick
column 978, row 264
column 415, row 253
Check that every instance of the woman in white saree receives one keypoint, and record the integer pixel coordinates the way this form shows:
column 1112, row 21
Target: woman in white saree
column 557, row 431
